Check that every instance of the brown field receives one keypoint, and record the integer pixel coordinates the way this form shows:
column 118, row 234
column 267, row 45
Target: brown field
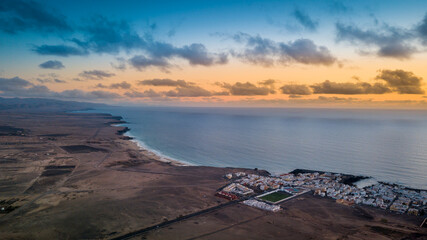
column 71, row 176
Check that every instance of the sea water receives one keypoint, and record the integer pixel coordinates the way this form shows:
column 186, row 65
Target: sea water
column 389, row 145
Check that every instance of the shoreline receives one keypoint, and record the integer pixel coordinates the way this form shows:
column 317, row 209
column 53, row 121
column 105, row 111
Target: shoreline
column 352, row 179
column 83, row 179
column 153, row 153
column 141, row 145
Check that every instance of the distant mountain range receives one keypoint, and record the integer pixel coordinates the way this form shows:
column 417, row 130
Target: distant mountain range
column 44, row 105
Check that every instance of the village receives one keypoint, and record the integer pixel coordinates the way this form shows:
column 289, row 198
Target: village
column 266, row 192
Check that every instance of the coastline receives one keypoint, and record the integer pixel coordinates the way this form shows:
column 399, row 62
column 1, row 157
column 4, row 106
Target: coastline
column 119, row 121
column 88, row 180
column 153, row 153
column 352, row 179
column 126, row 131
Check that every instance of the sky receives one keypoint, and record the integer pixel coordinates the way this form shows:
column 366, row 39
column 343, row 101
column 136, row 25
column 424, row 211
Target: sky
column 217, row 53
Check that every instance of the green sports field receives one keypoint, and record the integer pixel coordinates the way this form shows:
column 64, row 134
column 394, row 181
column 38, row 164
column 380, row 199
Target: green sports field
column 275, row 197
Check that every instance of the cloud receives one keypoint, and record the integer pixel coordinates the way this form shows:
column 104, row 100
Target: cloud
column 182, row 88
column 50, row 80
column 18, row 87
column 306, row 52
column 147, row 93
column 259, row 51
column 122, row 85
column 197, row 54
column 102, row 35
column 402, row 81
column 389, row 41
column 121, row 64
column 59, row 50
column 141, row 62
column 422, row 30
column 305, row 20
column 13, row 84
column 96, row 74
column 329, row 87
column 246, row 89
column 268, row 82
column 92, row 95
column 20, row 16
column 165, row 82
column 266, row 52
column 59, row 80
column 295, row 90
column 52, row 64
column 188, row 91
column 336, row 99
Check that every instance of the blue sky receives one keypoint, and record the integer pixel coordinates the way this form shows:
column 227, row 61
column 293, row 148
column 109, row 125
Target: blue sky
column 288, row 41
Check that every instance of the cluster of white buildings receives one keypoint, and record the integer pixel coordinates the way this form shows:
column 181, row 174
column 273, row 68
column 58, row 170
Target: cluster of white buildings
column 238, row 189
column 262, row 205
column 393, row 197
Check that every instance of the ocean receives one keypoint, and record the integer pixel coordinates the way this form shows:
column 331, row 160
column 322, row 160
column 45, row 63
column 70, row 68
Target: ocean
column 388, row 145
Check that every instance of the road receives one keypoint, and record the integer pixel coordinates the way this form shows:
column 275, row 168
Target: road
column 178, row 219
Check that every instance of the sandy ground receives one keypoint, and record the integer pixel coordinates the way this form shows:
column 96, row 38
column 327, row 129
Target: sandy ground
column 71, row 176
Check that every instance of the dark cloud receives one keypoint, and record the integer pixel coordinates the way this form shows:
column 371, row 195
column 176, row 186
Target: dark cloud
column 246, row 89
column 265, row 52
column 195, row 53
column 268, row 82
column 52, row 64
column 59, row 80
column 20, row 15
column 96, row 74
column 329, row 87
column 422, row 30
column 102, row 35
column 59, row 50
column 18, row 87
column 141, row 62
column 182, row 88
column 305, row 20
column 259, row 51
column 120, row 65
column 121, row 85
column 295, row 89
column 397, row 50
column 13, row 84
column 401, row 81
column 389, row 41
column 165, row 82
column 150, row 93
column 50, row 80
column 188, row 91
column 92, row 95
column 306, row 52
